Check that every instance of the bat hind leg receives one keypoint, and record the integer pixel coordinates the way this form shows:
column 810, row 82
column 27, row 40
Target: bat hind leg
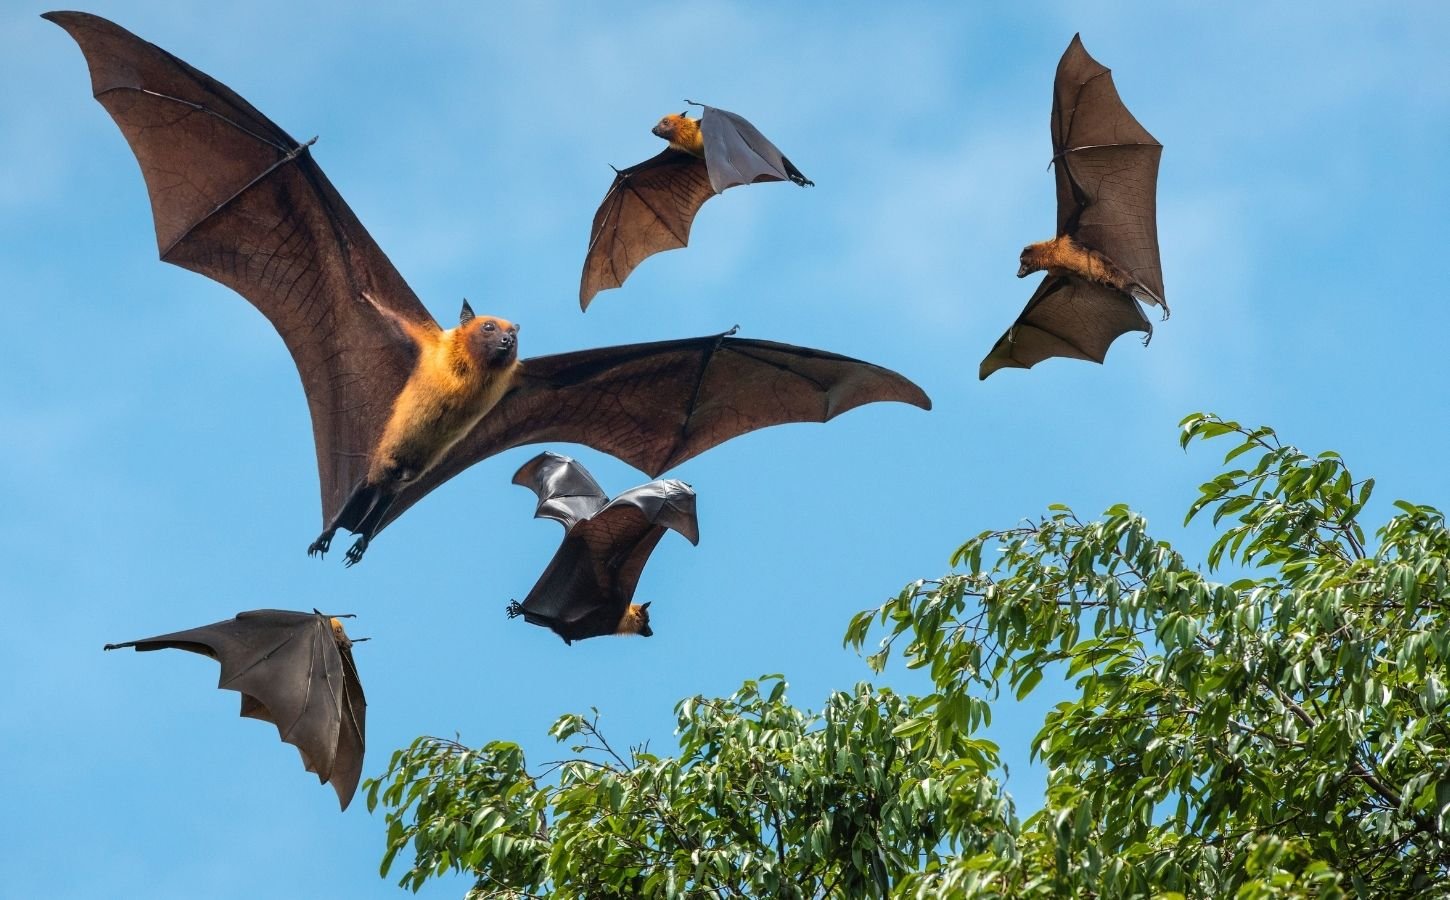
column 363, row 500
column 372, row 520
column 514, row 609
column 323, row 543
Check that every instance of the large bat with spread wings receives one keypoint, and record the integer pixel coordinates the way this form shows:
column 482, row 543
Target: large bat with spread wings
column 1104, row 258
column 651, row 205
column 295, row 670
column 398, row 404
column 587, row 590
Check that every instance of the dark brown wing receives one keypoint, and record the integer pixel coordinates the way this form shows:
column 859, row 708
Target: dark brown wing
column 566, row 490
column 592, row 578
column 238, row 200
column 656, row 405
column 1106, row 168
column 1067, row 316
column 648, row 209
column 737, row 153
column 291, row 672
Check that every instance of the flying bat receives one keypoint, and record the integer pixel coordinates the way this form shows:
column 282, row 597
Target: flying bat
column 295, row 670
column 650, row 206
column 1104, row 258
column 588, row 588
column 399, row 405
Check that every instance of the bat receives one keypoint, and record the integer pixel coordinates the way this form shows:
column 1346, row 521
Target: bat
column 295, row 670
column 1104, row 258
column 650, row 206
column 588, row 587
column 399, row 404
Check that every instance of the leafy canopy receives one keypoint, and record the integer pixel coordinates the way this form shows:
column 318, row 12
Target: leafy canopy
column 1282, row 733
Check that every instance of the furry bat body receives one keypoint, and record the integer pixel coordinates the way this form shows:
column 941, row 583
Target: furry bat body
column 1104, row 258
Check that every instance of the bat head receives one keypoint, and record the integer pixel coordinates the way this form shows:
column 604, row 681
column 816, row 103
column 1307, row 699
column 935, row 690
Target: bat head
column 682, row 132
column 636, row 621
column 1031, row 260
column 492, row 340
column 667, row 127
column 338, row 634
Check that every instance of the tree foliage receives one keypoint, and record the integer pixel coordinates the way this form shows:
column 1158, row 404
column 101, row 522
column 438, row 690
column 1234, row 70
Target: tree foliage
column 1281, row 732
column 764, row 800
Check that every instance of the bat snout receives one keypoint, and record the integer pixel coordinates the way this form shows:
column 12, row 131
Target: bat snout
column 646, row 631
column 1024, row 270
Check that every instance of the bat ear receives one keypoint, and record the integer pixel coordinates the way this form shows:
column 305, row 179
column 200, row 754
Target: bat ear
column 645, row 605
column 466, row 315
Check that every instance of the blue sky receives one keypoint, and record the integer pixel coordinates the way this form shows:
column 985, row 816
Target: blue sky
column 156, row 462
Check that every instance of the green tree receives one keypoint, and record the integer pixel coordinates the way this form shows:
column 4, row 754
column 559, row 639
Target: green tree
column 764, row 800
column 1280, row 734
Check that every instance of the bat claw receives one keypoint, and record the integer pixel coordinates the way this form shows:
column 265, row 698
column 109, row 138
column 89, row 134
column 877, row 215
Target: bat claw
column 514, row 609
column 355, row 552
column 320, row 546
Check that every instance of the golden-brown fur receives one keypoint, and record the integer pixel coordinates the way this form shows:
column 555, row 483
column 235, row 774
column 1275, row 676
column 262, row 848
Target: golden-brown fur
column 635, row 620
column 1064, row 256
column 460, row 375
column 683, row 133
column 339, row 635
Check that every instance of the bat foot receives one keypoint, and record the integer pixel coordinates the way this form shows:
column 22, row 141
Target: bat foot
column 514, row 609
column 355, row 552
column 320, row 546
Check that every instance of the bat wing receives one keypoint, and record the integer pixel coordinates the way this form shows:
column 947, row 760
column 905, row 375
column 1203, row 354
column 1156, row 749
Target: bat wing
column 591, row 580
column 648, row 209
column 569, row 598
column 737, row 153
column 237, row 199
column 1106, row 166
column 566, row 490
column 656, row 405
column 291, row 672
column 621, row 536
column 1067, row 316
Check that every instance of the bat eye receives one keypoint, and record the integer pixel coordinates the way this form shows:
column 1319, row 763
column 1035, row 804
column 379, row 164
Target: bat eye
column 489, row 326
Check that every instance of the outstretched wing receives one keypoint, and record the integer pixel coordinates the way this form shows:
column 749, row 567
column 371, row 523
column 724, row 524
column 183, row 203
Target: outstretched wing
column 566, row 490
column 291, row 672
column 1106, row 166
column 238, row 200
column 656, row 405
column 1066, row 316
column 621, row 536
column 648, row 209
column 737, row 153
column 590, row 582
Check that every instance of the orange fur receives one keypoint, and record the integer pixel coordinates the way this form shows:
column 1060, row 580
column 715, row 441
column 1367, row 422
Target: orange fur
column 339, row 635
column 683, row 133
column 1064, row 256
column 634, row 621
column 450, row 390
